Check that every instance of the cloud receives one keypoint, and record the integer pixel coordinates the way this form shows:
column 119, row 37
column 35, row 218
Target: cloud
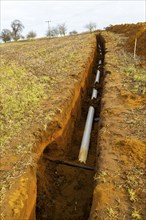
column 75, row 14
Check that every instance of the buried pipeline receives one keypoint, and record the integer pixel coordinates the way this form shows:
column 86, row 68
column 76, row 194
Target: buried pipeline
column 64, row 184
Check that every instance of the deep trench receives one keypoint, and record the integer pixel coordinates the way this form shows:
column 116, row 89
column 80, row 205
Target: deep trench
column 65, row 192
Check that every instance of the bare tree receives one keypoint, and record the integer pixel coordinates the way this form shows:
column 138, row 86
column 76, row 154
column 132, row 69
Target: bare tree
column 6, row 35
column 31, row 35
column 62, row 29
column 48, row 33
column 52, row 32
column 91, row 26
column 73, row 32
column 22, row 37
column 17, row 28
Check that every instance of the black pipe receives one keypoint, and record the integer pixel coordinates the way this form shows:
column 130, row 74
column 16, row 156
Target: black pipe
column 70, row 164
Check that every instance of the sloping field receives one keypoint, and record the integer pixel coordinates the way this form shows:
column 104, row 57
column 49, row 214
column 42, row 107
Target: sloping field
column 132, row 31
column 32, row 73
column 38, row 82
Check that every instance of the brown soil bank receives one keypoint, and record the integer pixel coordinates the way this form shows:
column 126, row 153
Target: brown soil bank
column 132, row 31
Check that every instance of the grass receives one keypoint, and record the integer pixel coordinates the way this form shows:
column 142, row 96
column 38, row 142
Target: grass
column 112, row 214
column 21, row 93
column 136, row 215
column 132, row 195
column 137, row 77
column 101, row 176
column 135, row 73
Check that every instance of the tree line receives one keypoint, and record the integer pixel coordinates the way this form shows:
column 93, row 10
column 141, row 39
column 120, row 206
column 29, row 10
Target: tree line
column 59, row 30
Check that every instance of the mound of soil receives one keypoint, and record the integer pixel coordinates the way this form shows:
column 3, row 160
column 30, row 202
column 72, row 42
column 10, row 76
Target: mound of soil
column 132, row 31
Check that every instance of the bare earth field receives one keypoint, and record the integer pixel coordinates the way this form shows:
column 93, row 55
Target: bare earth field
column 46, row 84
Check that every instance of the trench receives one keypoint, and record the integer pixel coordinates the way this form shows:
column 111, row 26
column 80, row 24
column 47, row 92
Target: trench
column 65, row 192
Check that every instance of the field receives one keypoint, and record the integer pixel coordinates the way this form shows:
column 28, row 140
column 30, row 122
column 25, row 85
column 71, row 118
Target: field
column 31, row 73
column 38, row 79
column 46, row 85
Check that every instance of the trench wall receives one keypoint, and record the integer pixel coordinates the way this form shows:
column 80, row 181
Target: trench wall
column 60, row 139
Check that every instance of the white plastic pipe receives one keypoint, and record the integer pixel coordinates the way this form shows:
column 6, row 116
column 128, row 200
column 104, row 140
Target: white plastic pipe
column 88, row 126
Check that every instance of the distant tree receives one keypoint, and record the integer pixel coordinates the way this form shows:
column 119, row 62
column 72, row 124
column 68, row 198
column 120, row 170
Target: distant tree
column 48, row 33
column 31, row 35
column 22, row 37
column 91, row 26
column 73, row 32
column 110, row 26
column 17, row 28
column 62, row 29
column 6, row 35
column 52, row 32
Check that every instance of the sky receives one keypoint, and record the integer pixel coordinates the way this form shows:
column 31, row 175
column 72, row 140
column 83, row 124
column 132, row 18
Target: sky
column 75, row 14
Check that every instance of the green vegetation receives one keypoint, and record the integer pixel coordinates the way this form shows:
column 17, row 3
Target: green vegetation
column 112, row 213
column 135, row 74
column 21, row 93
column 132, row 195
column 136, row 215
column 101, row 176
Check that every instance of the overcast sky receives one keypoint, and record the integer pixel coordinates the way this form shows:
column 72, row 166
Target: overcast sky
column 76, row 14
